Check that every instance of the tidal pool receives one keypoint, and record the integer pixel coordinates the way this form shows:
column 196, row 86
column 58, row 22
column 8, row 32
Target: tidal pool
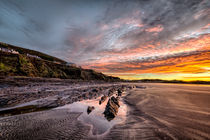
column 96, row 118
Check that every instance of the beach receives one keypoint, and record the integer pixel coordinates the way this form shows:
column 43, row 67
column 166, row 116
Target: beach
column 147, row 111
column 167, row 111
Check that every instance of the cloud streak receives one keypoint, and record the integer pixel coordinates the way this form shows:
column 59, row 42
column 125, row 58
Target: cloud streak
column 114, row 36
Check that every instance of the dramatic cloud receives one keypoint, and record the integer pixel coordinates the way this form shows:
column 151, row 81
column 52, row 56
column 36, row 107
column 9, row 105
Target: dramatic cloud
column 132, row 39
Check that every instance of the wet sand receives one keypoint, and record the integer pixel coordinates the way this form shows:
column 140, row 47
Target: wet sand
column 55, row 109
column 44, row 125
column 166, row 111
column 159, row 111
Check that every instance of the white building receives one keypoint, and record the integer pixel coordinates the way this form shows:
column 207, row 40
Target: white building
column 9, row 50
column 6, row 50
column 14, row 52
column 34, row 56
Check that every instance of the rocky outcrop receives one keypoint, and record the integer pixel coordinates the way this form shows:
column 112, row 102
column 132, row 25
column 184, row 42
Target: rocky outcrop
column 120, row 91
column 131, row 87
column 111, row 109
column 90, row 109
column 103, row 98
column 51, row 93
column 95, row 90
column 143, row 87
column 111, row 92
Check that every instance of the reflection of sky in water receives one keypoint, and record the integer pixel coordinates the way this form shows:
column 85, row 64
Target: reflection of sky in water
column 96, row 117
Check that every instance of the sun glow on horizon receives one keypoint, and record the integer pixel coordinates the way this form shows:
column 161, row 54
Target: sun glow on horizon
column 182, row 77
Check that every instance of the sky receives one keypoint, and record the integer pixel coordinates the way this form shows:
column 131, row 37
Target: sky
column 131, row 39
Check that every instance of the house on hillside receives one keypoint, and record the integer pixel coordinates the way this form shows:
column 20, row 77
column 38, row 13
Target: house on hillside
column 5, row 50
column 14, row 51
column 9, row 50
column 34, row 56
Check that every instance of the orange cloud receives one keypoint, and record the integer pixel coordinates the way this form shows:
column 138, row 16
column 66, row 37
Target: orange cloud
column 188, row 57
column 158, row 28
column 191, row 45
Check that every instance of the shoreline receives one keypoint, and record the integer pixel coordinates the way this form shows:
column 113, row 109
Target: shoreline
column 167, row 112
column 137, row 125
column 154, row 111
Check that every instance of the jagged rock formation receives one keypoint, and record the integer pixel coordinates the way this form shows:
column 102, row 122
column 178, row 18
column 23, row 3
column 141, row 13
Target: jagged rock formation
column 103, row 98
column 111, row 92
column 111, row 109
column 119, row 92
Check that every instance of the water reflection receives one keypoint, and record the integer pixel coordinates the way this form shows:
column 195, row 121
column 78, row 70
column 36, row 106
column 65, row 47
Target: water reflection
column 96, row 117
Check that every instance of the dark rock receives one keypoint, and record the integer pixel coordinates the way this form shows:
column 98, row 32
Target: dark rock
column 85, row 95
column 95, row 95
column 131, row 87
column 111, row 109
column 140, row 87
column 90, row 109
column 119, row 92
column 95, row 90
column 103, row 98
column 85, row 90
column 90, row 94
column 111, row 92
column 75, row 99
column 80, row 98
column 60, row 102
column 3, row 102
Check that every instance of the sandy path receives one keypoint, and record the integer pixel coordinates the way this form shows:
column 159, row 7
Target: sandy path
column 166, row 111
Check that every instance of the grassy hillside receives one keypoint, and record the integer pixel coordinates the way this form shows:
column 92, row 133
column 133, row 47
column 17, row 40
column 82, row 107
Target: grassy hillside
column 32, row 52
column 22, row 65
